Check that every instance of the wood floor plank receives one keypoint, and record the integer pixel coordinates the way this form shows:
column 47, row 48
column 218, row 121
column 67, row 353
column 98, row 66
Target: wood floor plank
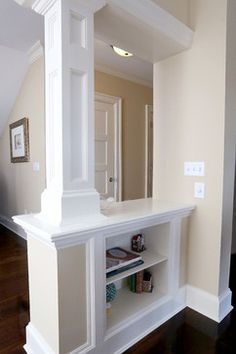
column 14, row 297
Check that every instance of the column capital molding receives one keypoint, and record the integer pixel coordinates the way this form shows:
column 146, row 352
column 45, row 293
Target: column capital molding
column 42, row 6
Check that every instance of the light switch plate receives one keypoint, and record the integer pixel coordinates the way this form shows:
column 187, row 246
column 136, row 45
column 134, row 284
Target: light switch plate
column 194, row 168
column 199, row 190
column 36, row 166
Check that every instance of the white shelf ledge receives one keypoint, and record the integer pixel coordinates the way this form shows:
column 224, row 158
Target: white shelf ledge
column 149, row 261
column 128, row 304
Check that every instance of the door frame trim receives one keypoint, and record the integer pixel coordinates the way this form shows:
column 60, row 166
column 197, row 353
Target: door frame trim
column 117, row 103
column 148, row 110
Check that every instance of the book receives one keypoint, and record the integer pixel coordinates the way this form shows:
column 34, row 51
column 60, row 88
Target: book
column 139, row 282
column 123, row 269
column 133, row 283
column 118, row 257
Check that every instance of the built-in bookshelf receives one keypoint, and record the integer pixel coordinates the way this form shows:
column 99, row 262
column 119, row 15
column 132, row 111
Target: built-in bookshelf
column 149, row 260
column 78, row 260
column 128, row 304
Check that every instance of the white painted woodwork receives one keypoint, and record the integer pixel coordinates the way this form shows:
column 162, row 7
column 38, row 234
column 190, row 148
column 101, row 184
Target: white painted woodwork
column 133, row 315
column 148, row 150
column 108, row 146
column 149, row 259
column 104, row 149
column 70, row 194
column 76, row 260
column 35, row 52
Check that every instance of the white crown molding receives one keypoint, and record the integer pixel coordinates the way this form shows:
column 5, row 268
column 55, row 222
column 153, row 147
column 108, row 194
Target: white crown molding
column 123, row 76
column 25, row 3
column 212, row 306
column 35, row 52
column 42, row 6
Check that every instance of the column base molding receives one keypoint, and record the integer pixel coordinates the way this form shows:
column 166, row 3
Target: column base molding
column 70, row 207
column 35, row 344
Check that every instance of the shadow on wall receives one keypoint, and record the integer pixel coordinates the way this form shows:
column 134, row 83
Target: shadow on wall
column 233, row 247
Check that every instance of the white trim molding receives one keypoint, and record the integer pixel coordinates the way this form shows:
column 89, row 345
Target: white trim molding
column 148, row 150
column 35, row 52
column 212, row 306
column 35, row 342
column 11, row 225
column 43, row 6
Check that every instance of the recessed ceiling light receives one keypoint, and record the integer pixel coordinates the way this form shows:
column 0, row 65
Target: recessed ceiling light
column 121, row 52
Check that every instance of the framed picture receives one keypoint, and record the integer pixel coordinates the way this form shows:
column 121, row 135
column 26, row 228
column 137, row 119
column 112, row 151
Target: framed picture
column 19, row 140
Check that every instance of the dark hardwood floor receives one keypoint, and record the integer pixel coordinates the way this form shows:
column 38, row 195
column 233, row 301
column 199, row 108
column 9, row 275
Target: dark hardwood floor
column 191, row 333
column 14, row 314
column 186, row 333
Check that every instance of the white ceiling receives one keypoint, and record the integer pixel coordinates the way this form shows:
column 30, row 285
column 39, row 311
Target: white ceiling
column 20, row 28
column 131, row 68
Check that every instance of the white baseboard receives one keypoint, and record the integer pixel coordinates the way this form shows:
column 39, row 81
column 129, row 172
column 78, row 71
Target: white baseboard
column 207, row 304
column 9, row 224
column 35, row 344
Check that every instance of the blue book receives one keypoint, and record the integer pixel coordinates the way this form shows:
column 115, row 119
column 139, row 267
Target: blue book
column 123, row 269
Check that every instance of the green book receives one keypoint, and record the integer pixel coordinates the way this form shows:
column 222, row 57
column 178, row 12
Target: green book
column 133, row 283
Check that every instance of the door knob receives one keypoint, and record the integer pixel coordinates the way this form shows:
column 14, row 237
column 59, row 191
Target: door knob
column 111, row 179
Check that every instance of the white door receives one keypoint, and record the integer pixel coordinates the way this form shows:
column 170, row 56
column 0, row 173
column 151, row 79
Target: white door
column 107, row 146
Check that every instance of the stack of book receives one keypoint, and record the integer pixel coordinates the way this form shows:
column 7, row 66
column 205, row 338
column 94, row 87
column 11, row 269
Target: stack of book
column 136, row 282
column 119, row 260
column 141, row 282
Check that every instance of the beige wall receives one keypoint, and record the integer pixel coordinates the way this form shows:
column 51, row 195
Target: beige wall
column 134, row 97
column 20, row 187
column 177, row 8
column 189, row 92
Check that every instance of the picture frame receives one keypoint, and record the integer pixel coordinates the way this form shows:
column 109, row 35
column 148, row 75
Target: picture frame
column 19, row 140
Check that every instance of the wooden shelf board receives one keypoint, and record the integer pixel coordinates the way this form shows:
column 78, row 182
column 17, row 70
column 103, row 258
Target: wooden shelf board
column 128, row 304
column 149, row 261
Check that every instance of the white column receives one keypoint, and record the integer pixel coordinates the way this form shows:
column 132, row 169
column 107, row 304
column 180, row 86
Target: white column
column 70, row 195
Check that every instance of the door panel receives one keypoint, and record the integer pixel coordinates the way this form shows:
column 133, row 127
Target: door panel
column 104, row 148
